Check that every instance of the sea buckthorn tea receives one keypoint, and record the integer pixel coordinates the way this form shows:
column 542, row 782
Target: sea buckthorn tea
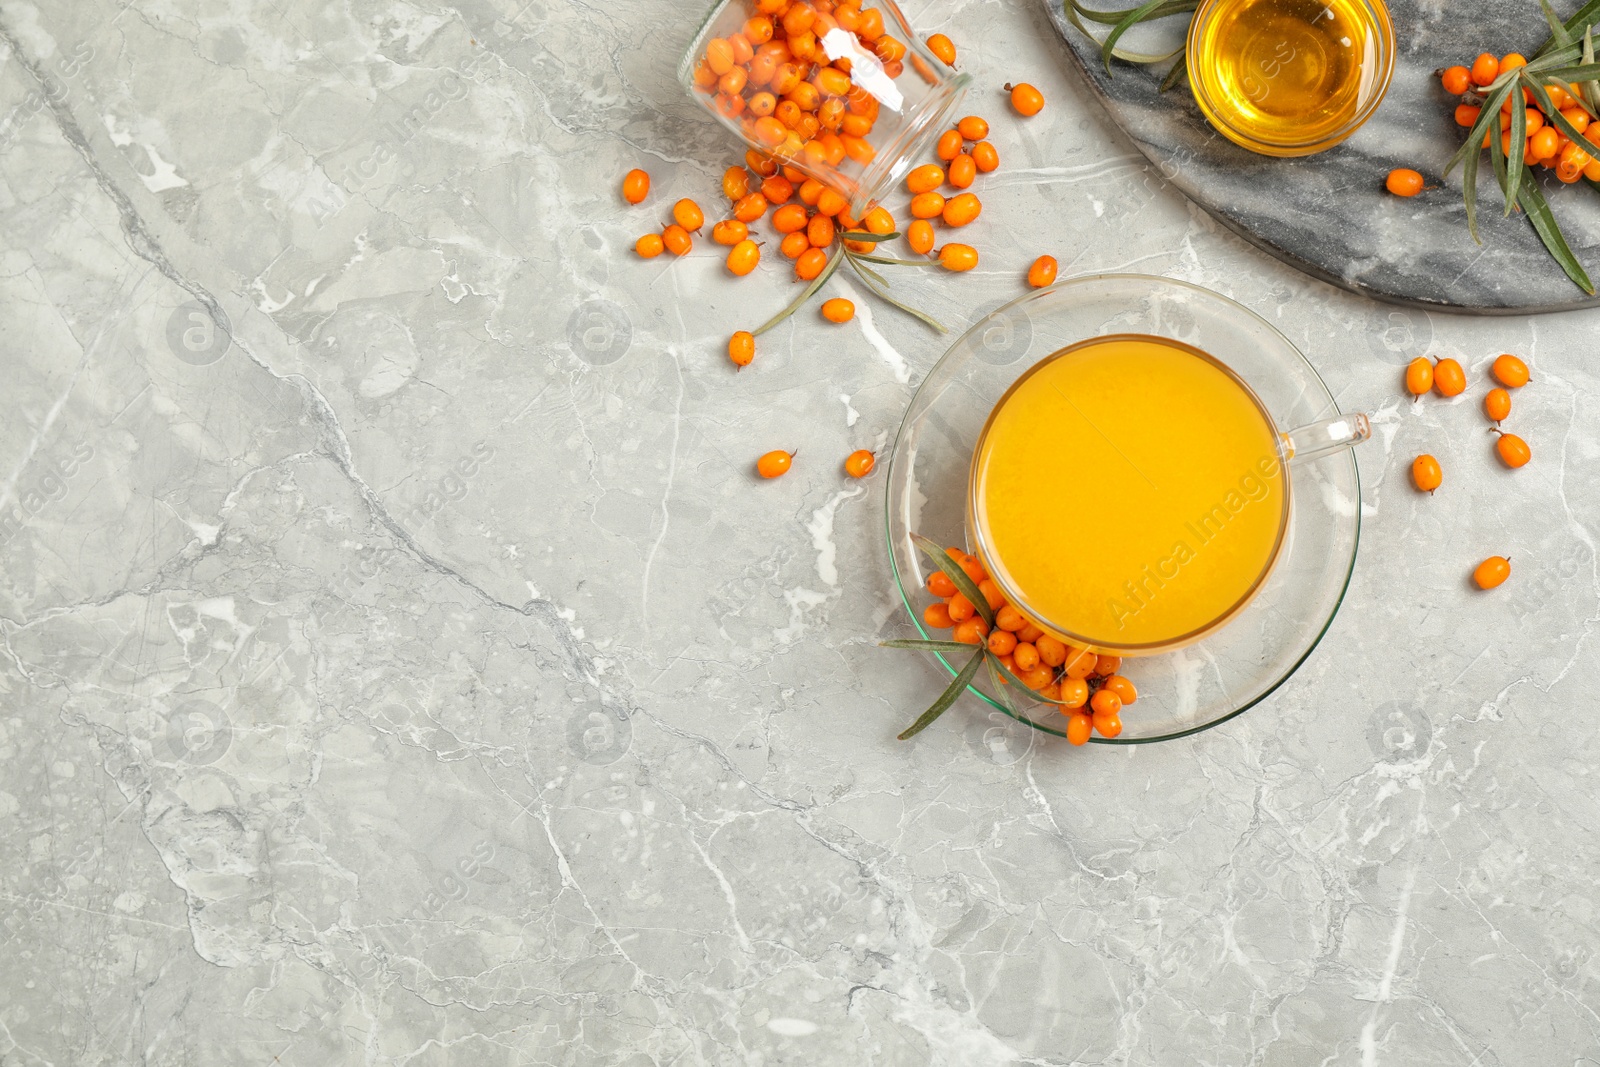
column 1287, row 77
column 1128, row 492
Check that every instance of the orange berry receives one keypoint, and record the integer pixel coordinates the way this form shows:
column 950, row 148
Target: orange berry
column 973, row 569
column 919, row 235
column 677, row 240
column 1037, row 678
column 820, row 231
column 1079, row 727
column 960, row 607
column 1485, row 69
column 1105, row 666
column 958, row 257
column 1448, row 377
column 1544, row 143
column 1492, row 571
column 719, row 56
column 971, row 631
column 938, row 616
column 962, row 209
column 1002, row 642
column 1074, row 692
column 973, row 128
column 1497, row 404
column 1105, row 701
column 1026, row 656
column 777, row 189
column 758, row 30
column 927, row 205
column 1511, row 61
column 838, row 310
column 635, row 186
column 985, row 157
column 649, row 246
column 810, row 192
column 859, row 463
column 794, row 245
column 1403, row 181
column 1467, row 115
column 940, row 585
column 743, row 257
column 1426, row 473
column 949, row 146
column 1456, row 80
column 870, row 27
column 1107, row 724
column 831, row 203
column 944, row 48
column 1079, row 663
column 1419, row 376
column 1122, row 687
column 1043, row 272
column 1576, row 117
column 1008, row 617
column 750, row 208
column 729, row 232
column 687, row 213
column 810, row 264
column 991, row 594
column 1029, row 633
column 878, row 221
column 1513, row 450
column 1025, row 98
column 735, row 183
column 789, row 218
column 774, row 464
column 742, row 348
column 1510, row 371
column 963, row 171
column 925, row 178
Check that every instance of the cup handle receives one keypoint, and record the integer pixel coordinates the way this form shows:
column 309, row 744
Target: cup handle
column 1322, row 438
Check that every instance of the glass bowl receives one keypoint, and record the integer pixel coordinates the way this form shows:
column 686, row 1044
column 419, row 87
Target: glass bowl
column 1228, row 671
column 1228, row 94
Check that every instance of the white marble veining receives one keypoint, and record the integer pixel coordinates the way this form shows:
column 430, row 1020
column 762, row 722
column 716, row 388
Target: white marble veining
column 416, row 673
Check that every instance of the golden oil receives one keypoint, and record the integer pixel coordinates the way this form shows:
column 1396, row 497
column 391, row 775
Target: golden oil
column 1289, row 77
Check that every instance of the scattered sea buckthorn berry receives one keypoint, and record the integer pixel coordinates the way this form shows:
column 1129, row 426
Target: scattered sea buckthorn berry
column 789, row 218
column 1104, row 700
column 1513, row 450
column 729, row 232
column 1079, row 728
column 878, row 221
column 985, row 157
column 831, row 203
column 971, row 631
column 777, row 189
column 919, row 235
column 1403, row 181
column 819, row 231
column 859, row 463
column 742, row 348
column 1002, row 642
column 1497, row 404
column 810, row 264
column 735, row 183
column 1107, row 665
column 687, row 213
column 937, row 615
column 1426, row 473
column 635, row 186
column 961, row 607
column 949, row 146
column 1043, row 272
column 1009, row 618
column 1510, row 371
column 1467, row 115
column 649, row 246
column 925, row 178
column 774, row 464
column 760, row 162
column 963, row 171
column 944, row 48
column 927, row 205
column 973, row 128
column 1448, row 377
column 1107, row 723
column 750, row 208
column 795, row 244
column 743, row 257
column 962, row 209
column 1026, row 99
column 1492, row 571
column 940, row 585
column 677, row 240
column 1484, row 69
column 1074, row 692
column 1419, row 376
column 1122, row 687
column 958, row 257
column 838, row 310
column 810, row 192
column 1456, row 80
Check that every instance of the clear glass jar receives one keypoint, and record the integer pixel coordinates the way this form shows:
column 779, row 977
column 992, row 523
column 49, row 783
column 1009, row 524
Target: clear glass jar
column 843, row 93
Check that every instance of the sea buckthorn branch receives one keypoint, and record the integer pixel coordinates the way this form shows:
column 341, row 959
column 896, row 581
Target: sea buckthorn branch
column 1125, row 19
column 799, row 301
column 957, row 575
column 875, row 281
column 946, row 698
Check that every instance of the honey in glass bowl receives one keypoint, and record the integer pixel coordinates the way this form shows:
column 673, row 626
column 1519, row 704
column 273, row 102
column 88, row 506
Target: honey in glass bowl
column 1290, row 77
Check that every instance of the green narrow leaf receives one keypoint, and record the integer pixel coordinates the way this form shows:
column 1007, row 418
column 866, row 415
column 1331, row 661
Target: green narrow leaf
column 964, row 585
column 1514, row 161
column 1131, row 19
column 1111, row 18
column 1544, row 224
column 1591, row 87
column 1558, row 30
column 1584, row 16
column 1002, row 690
column 892, row 262
column 867, row 272
column 1488, row 118
column 1179, row 69
column 948, row 697
column 816, row 283
column 880, row 291
column 1072, row 10
column 925, row 646
column 863, row 235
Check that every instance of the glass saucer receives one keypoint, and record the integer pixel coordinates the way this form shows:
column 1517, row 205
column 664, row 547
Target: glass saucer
column 1233, row 669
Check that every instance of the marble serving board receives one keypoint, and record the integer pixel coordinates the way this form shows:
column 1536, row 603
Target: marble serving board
column 1328, row 214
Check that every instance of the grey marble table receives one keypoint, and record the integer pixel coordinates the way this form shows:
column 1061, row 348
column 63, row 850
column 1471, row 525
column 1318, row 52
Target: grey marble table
column 1328, row 214
column 414, row 672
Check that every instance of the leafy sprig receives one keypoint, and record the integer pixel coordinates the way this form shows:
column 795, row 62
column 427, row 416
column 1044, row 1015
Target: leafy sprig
column 874, row 281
